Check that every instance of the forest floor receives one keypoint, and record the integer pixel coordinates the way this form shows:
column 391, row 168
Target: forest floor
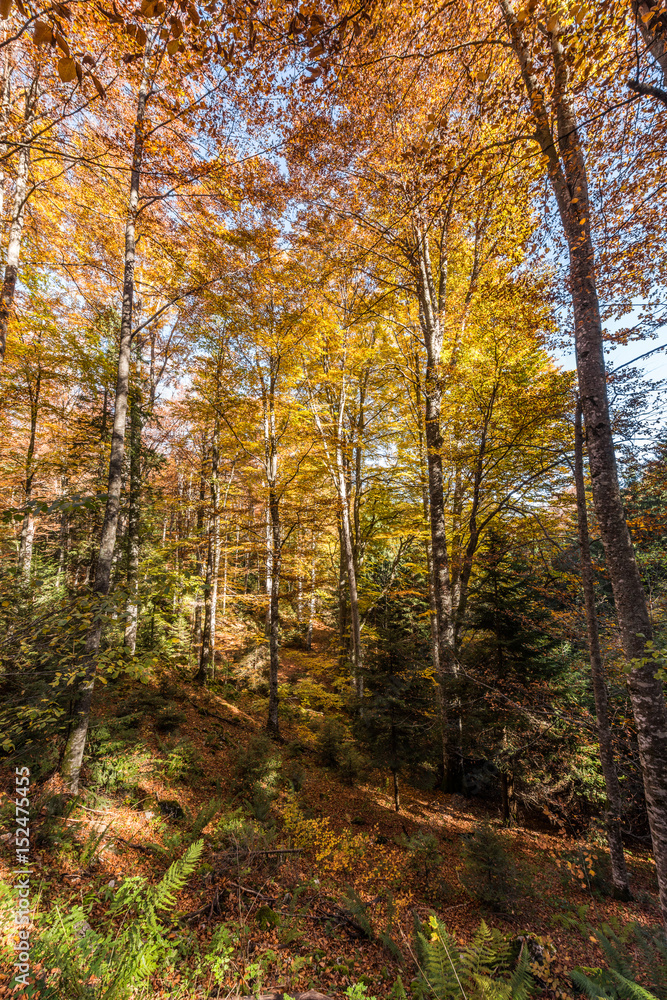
column 320, row 917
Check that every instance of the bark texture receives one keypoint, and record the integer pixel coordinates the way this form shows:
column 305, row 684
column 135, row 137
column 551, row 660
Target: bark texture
column 133, row 525
column 212, row 557
column 567, row 173
column 28, row 525
column 21, row 195
column 76, row 742
column 614, row 810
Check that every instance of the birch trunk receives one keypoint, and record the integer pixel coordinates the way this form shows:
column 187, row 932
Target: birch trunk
column 5, row 87
column 351, row 574
column 269, row 572
column 212, row 558
column 200, row 570
column 63, row 539
column 18, row 217
column 619, row 873
column 133, row 520
column 274, row 629
column 28, row 525
column 569, row 181
column 76, row 742
column 311, row 614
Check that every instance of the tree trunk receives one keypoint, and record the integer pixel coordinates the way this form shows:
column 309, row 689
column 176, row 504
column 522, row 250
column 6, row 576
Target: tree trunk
column 397, row 800
column 568, row 177
column 210, row 584
column 440, row 572
column 351, row 573
column 63, row 539
column 274, row 609
column 311, row 614
column 199, row 564
column 6, row 91
column 433, row 613
column 28, row 526
column 619, row 872
column 269, row 572
column 133, row 519
column 18, row 217
column 76, row 743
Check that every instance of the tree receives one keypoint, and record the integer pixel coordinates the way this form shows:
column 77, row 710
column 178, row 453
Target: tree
column 564, row 156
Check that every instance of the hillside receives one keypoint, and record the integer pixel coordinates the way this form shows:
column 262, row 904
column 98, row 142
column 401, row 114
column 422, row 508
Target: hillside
column 309, row 878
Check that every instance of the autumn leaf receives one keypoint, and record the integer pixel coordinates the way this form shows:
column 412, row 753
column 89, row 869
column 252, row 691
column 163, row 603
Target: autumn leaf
column 67, row 69
column 62, row 44
column 5, row 8
column 98, row 85
column 42, row 33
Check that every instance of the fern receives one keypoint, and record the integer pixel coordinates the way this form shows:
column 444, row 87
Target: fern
column 397, row 991
column 592, row 988
column 358, row 909
column 652, row 943
column 483, row 970
column 631, row 991
column 74, row 954
column 618, row 981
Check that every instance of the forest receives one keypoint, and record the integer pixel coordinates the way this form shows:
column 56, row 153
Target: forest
column 333, row 499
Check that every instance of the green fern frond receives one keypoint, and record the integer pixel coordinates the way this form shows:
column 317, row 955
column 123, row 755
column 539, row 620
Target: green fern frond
column 484, row 970
column 163, row 896
column 397, row 991
column 440, row 954
column 629, row 990
column 521, row 981
column 592, row 989
column 615, row 953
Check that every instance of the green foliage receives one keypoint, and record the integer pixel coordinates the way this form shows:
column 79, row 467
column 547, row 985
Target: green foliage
column 396, row 720
column 329, row 741
column 352, row 764
column 118, row 767
column 181, row 762
column 258, row 762
column 204, row 817
column 486, row 969
column 358, row 991
column 81, row 963
column 295, row 774
column 170, row 718
column 397, row 991
column 490, row 875
column 267, row 918
column 355, row 905
column 236, row 832
column 424, row 850
column 618, row 980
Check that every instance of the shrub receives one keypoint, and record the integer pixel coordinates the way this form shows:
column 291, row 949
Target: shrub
column 257, row 762
column 490, row 874
column 295, row 774
column 424, row 850
column 118, row 766
column 329, row 742
column 351, row 764
column 181, row 762
column 170, row 718
column 236, row 832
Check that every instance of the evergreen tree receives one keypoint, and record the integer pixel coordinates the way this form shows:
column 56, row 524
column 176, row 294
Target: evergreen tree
column 396, row 721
